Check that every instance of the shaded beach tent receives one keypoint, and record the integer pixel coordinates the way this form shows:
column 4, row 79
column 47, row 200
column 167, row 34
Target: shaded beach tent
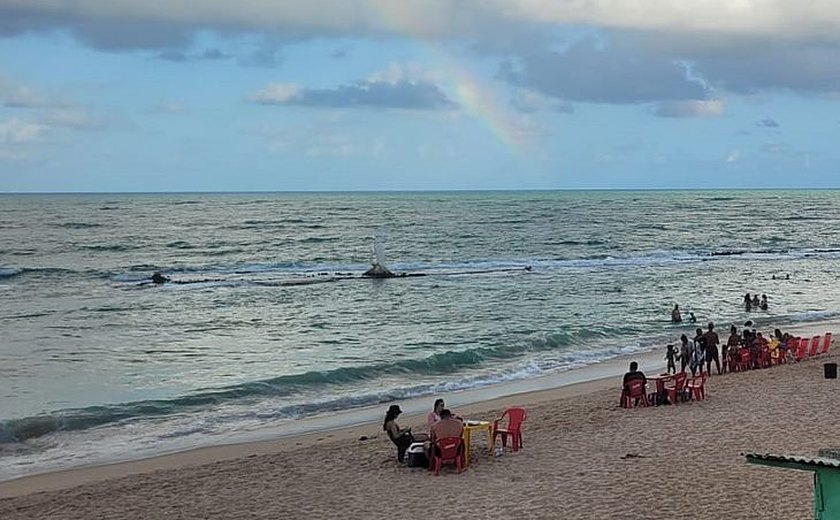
column 826, row 470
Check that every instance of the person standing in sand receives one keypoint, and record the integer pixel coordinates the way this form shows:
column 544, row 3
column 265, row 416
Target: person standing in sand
column 698, row 352
column 711, row 342
column 670, row 354
column 685, row 353
column 732, row 351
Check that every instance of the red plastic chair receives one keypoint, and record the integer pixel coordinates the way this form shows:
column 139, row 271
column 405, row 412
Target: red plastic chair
column 676, row 393
column 634, row 392
column 826, row 343
column 696, row 387
column 448, row 450
column 764, row 357
column 516, row 416
column 801, row 349
column 815, row 346
column 745, row 363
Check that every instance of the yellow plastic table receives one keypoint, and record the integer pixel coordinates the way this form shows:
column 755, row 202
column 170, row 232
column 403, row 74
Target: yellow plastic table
column 471, row 427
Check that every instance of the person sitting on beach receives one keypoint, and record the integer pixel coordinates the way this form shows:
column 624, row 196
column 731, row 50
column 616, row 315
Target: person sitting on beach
column 763, row 304
column 434, row 415
column 632, row 375
column 670, row 354
column 676, row 317
column 711, row 342
column 685, row 352
column 401, row 438
column 447, row 426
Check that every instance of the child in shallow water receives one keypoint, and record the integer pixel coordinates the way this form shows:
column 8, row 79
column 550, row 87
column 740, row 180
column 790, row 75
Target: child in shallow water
column 671, row 354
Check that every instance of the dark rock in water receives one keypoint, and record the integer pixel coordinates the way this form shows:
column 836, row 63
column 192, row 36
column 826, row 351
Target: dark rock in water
column 378, row 271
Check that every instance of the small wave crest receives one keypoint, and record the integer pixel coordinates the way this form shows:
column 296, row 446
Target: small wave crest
column 442, row 363
column 8, row 272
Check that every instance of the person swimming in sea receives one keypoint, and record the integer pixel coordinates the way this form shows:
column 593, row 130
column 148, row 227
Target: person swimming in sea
column 158, row 278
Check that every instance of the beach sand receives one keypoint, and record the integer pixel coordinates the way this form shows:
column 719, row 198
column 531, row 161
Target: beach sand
column 583, row 458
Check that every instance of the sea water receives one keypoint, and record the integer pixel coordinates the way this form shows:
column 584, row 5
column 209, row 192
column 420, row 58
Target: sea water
column 266, row 319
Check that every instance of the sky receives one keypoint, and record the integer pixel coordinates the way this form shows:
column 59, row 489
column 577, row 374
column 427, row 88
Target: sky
column 289, row 95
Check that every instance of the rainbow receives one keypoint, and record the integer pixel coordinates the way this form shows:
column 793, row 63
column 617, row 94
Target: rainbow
column 473, row 94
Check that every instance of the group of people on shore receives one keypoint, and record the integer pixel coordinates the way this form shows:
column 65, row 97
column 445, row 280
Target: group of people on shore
column 442, row 423
column 694, row 353
column 703, row 350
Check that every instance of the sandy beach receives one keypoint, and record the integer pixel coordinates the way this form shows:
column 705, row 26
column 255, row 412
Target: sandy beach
column 583, row 458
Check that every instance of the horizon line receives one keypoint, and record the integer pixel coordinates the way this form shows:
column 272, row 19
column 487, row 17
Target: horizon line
column 447, row 190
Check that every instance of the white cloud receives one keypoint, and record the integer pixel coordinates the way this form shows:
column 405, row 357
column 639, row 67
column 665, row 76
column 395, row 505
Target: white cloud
column 431, row 18
column 528, row 100
column 74, row 118
column 17, row 96
column 168, row 107
column 690, row 108
column 276, row 93
column 16, row 131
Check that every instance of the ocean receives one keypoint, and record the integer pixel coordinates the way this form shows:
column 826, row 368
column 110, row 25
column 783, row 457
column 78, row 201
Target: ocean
column 266, row 319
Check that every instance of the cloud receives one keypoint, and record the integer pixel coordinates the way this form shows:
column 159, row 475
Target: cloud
column 24, row 97
column 206, row 55
column 747, row 46
column 589, row 71
column 318, row 140
column 150, row 24
column 690, row 108
column 16, row 132
column 402, row 94
column 759, row 66
column 168, row 107
column 529, row 101
column 74, row 119
column 768, row 123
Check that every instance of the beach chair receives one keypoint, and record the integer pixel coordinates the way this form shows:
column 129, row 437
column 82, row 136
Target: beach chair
column 815, row 346
column 801, row 349
column 826, row 343
column 676, row 393
column 448, row 450
column 745, row 363
column 515, row 418
column 764, row 357
column 696, row 387
column 634, row 393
